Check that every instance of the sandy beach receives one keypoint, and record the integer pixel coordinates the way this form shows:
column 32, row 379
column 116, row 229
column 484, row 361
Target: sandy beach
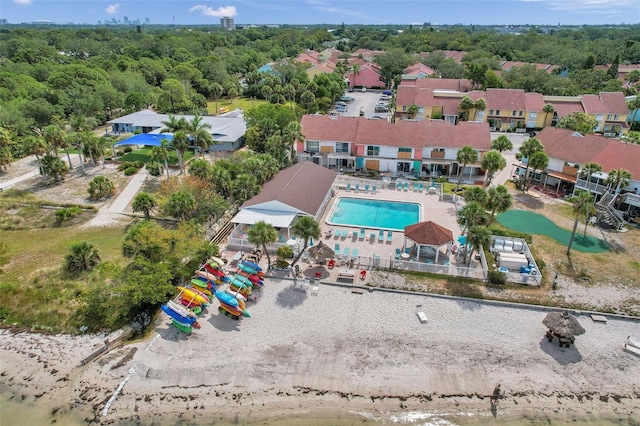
column 333, row 358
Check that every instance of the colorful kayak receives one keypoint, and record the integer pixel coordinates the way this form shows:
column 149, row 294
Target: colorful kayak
column 246, row 268
column 217, row 260
column 182, row 327
column 181, row 309
column 237, row 295
column 191, row 304
column 208, row 277
column 202, row 286
column 243, row 280
column 226, row 298
column 231, row 309
column 253, row 265
column 197, row 290
column 253, row 277
column 190, row 294
column 176, row 316
column 245, row 291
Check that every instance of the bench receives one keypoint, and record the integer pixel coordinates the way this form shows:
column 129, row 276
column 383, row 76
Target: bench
column 346, row 275
column 422, row 317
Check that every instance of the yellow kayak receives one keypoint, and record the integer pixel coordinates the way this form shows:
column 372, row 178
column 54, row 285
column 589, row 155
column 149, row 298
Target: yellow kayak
column 189, row 294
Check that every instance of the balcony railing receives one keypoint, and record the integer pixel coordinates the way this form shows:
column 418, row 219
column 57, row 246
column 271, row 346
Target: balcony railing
column 437, row 154
column 591, row 186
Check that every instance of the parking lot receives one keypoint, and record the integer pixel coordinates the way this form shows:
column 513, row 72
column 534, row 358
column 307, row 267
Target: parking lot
column 365, row 101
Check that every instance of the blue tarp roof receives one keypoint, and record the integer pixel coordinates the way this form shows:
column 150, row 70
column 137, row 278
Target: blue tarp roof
column 147, row 139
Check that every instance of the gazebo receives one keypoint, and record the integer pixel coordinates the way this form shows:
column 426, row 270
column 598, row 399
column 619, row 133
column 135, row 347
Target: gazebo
column 428, row 234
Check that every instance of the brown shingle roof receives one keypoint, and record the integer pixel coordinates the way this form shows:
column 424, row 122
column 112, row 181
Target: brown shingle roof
column 428, row 233
column 323, row 128
column 614, row 102
column 565, row 145
column 292, row 185
column 564, row 108
column 593, row 105
column 456, row 84
column 534, row 102
column 506, row 99
column 620, row 155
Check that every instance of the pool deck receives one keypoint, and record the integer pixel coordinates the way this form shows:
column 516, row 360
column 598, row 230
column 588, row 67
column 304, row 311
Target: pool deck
column 440, row 212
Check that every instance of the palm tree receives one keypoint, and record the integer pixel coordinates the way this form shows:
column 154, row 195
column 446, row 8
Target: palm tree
column 180, row 143
column 492, row 162
column 589, row 169
column 144, row 203
column 261, row 234
column 478, row 105
column 174, row 124
column 472, row 214
column 54, row 136
column 528, row 148
column 498, row 200
column 413, row 111
column 292, row 133
column 199, row 133
column 289, row 93
column 618, row 178
column 475, row 193
column 161, row 153
column 466, row 104
column 465, row 155
column 216, row 92
column 547, row 109
column 478, row 236
column 305, row 227
column 37, row 146
column 501, row 144
column 582, row 205
column 244, row 187
column 538, row 161
column 355, row 70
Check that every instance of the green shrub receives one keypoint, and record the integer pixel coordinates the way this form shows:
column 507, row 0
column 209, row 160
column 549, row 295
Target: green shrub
column 67, row 213
column 155, row 169
column 497, row 230
column 124, row 166
column 119, row 153
column 128, row 149
column 130, row 171
column 497, row 277
column 138, row 164
column 101, row 187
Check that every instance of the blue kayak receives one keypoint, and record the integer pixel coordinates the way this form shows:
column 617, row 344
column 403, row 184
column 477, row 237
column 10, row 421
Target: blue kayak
column 226, row 298
column 253, row 265
column 176, row 316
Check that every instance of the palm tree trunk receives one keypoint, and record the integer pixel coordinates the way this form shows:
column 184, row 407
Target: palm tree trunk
column 264, row 247
column 459, row 177
column 181, row 161
column 573, row 234
column 586, row 223
column 526, row 172
column 166, row 166
column 81, row 160
column 69, row 159
column 304, row 247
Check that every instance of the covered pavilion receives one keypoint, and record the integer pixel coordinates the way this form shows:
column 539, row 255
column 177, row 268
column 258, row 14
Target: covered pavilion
column 428, row 234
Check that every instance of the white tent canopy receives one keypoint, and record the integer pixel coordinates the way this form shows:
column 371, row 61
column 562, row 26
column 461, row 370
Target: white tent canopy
column 275, row 218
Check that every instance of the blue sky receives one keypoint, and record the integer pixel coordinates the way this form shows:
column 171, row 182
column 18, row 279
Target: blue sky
column 185, row 12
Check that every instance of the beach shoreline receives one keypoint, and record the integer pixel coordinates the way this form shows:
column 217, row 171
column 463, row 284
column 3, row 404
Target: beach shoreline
column 339, row 357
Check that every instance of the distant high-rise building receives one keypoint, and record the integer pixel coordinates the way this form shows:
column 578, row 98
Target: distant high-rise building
column 126, row 20
column 227, row 23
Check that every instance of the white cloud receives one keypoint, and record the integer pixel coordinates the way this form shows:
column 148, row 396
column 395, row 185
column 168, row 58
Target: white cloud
column 327, row 7
column 220, row 12
column 25, row 2
column 112, row 8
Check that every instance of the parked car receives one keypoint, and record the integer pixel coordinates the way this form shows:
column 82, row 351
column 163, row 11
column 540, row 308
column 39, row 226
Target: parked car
column 340, row 103
column 380, row 108
column 388, row 92
column 376, row 117
column 347, row 99
column 340, row 108
column 385, row 97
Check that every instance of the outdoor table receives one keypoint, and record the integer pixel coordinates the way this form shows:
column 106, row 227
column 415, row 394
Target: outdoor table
column 405, row 256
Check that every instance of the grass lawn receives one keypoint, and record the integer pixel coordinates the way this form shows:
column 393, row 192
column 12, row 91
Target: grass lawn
column 242, row 103
column 143, row 154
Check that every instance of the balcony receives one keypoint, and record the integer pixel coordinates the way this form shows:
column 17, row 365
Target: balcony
column 571, row 171
column 590, row 186
column 436, row 154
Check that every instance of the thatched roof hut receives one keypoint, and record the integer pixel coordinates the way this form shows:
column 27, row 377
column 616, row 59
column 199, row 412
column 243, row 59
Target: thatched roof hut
column 563, row 324
column 320, row 252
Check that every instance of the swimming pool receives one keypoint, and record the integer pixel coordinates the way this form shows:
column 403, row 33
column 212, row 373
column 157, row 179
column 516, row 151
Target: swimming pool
column 374, row 214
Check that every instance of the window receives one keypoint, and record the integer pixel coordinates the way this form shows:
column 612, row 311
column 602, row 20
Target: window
column 373, row 151
column 520, row 113
column 533, row 115
column 513, row 113
column 490, row 112
column 497, row 112
column 404, row 108
column 480, row 114
column 404, row 150
column 313, row 146
column 342, row 147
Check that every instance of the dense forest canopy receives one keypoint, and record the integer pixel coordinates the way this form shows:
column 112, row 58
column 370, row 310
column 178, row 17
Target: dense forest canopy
column 55, row 73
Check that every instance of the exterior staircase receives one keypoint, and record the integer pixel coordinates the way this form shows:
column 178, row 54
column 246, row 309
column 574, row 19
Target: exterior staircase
column 606, row 211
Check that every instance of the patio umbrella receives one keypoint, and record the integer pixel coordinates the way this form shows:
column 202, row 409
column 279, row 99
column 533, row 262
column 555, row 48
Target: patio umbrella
column 563, row 324
column 320, row 252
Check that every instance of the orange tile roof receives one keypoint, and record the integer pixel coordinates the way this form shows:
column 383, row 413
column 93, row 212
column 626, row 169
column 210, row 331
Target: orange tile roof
column 506, row 99
column 428, row 233
column 614, row 102
column 409, row 134
column 564, row 108
column 533, row 102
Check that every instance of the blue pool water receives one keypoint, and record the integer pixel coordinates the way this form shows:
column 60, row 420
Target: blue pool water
column 376, row 214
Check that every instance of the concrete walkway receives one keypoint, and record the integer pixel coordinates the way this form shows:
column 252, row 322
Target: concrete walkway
column 11, row 182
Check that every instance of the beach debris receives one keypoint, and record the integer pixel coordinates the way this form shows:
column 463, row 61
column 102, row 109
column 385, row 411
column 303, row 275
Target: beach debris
column 111, row 400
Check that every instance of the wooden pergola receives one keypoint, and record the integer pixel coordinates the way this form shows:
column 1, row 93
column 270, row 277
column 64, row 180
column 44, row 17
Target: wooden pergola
column 428, row 234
